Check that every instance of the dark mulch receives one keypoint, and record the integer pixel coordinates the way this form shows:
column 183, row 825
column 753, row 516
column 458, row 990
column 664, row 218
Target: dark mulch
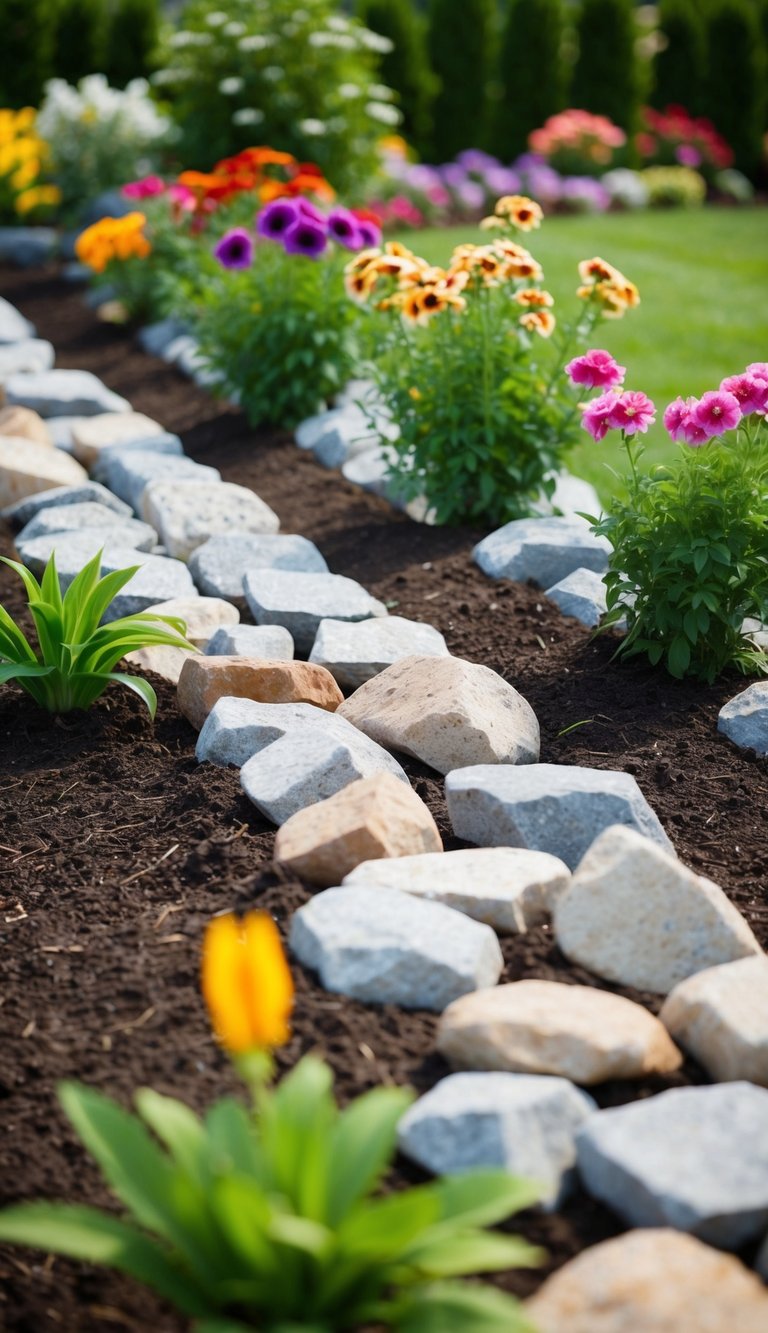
column 117, row 847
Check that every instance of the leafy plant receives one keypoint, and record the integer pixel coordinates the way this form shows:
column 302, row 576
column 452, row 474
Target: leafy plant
column 77, row 654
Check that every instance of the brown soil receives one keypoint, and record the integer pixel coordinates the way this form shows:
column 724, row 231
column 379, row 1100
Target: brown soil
column 117, row 847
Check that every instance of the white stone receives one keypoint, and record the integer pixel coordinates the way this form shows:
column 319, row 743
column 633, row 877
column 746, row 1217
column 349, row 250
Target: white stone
column 545, row 1027
column 90, row 492
column 220, row 564
column 581, row 595
column 574, row 495
column 756, row 631
column 60, row 431
column 548, row 807
column 446, row 712
column 237, row 729
column 634, row 915
column 189, row 513
column 523, row 1123
column 300, row 601
column 508, row 888
column 88, row 517
column 721, row 1017
column 357, row 391
column 154, row 338
column 33, row 354
column 544, row 550
column 162, row 660
column 744, row 719
column 163, row 443
column 92, row 434
column 176, row 347
column 337, row 435
column 75, row 548
column 156, row 579
column 371, row 470
column 58, row 393
column 393, row 949
column 27, row 467
column 695, row 1159
column 14, row 327
column 270, row 643
column 127, row 472
column 355, row 652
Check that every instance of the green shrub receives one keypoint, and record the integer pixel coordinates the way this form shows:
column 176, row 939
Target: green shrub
column 679, row 68
column 606, row 76
column 132, row 35
column 405, row 68
column 674, row 187
column 531, row 73
column 460, row 43
column 736, row 79
column 26, row 50
column 80, row 34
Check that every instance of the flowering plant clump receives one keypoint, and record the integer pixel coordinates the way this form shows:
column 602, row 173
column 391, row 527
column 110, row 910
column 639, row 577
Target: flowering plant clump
column 465, row 370
column 673, row 137
column 271, row 1216
column 674, row 187
column 690, row 542
column 25, row 191
column 578, row 142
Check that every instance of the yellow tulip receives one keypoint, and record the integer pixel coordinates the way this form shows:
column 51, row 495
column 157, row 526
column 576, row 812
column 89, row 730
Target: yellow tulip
column 247, row 984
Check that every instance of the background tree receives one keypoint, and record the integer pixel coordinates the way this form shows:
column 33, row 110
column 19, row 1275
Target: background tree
column 131, row 40
column 460, row 44
column 26, row 50
column 605, row 76
column 736, row 76
column 79, row 39
column 531, row 73
column 406, row 67
column 679, row 69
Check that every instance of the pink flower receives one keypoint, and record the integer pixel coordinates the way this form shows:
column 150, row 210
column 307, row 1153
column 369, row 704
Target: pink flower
column 759, row 368
column 750, row 389
column 682, row 425
column 687, row 155
column 598, row 413
column 717, row 411
column 633, row 412
column 596, row 369
column 145, row 188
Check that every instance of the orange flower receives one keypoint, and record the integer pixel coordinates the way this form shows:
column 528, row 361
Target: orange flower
column 522, row 212
column 608, row 287
column 247, row 984
column 113, row 238
column 538, row 321
column 534, row 296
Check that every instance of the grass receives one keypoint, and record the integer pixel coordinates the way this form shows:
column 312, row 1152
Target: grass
column 703, row 279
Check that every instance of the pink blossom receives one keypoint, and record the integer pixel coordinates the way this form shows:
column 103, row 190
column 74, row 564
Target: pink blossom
column 682, row 425
column 145, row 188
column 759, row 368
column 687, row 155
column 182, row 196
column 596, row 369
column 717, row 411
column 633, row 412
column 598, row 413
column 750, row 389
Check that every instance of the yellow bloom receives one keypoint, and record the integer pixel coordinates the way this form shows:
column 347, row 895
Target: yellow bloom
column 414, row 393
column 26, row 174
column 522, row 212
column 534, row 296
column 608, row 286
column 113, row 238
column 247, row 984
column 491, row 224
column 597, row 270
column 37, row 196
column 538, row 321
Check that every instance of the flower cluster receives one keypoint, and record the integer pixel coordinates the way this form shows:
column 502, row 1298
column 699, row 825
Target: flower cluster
column 113, row 238
column 605, row 286
column 696, row 421
column 576, row 138
column 674, row 136
column 23, row 161
column 302, row 229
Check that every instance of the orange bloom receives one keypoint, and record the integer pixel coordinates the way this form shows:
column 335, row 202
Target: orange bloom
column 113, row 238
column 522, row 212
column 538, row 321
column 246, row 981
column 534, row 296
column 598, row 270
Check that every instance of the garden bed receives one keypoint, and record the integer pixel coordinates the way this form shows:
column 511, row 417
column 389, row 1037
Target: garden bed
column 117, row 846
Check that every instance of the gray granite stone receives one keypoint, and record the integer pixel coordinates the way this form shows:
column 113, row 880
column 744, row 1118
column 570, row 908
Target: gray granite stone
column 300, row 601
column 572, row 495
column 90, row 492
column 58, row 393
column 27, row 247
column 744, row 719
column 155, row 338
column 219, row 565
column 89, row 517
column 270, row 643
column 544, row 550
column 581, row 595
column 237, row 729
column 156, row 580
column 340, row 434
column 356, row 651
column 128, row 472
column 32, row 354
column 13, row 326
column 188, row 513
column 167, row 444
column 370, row 469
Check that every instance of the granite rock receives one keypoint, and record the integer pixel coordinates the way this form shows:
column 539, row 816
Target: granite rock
column 219, row 565
column 26, row 357
column 89, row 492
column 27, row 467
column 24, row 424
column 127, row 472
column 720, row 1016
column 270, row 643
column 188, row 513
column 93, row 434
column 87, row 517
column 744, row 719
column 299, row 601
column 544, row 550
column 58, row 393
column 14, row 327
column 355, row 652
column 581, row 595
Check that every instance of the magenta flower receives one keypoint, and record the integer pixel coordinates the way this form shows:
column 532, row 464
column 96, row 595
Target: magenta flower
column 717, row 411
column 235, row 249
column 598, row 413
column 370, row 234
column 344, row 229
column 750, row 390
column 596, row 369
column 682, row 425
column 759, row 368
column 633, row 412
column 306, row 238
column 275, row 219
column 145, row 188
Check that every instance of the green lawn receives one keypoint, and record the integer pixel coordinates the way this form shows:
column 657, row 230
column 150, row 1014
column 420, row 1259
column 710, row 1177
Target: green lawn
column 703, row 279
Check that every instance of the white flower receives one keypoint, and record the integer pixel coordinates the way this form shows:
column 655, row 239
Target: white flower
column 273, row 73
column 375, row 42
column 381, row 92
column 349, row 90
column 312, row 126
column 247, row 115
column 232, row 86
column 337, row 24
column 216, row 19
column 626, row 186
column 256, row 42
column 337, row 39
column 179, row 40
column 234, row 29
column 163, row 77
column 383, row 113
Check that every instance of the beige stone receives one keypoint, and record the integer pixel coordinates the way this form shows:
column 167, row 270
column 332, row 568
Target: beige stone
column 634, row 914
column 25, row 425
column 651, row 1281
column 203, row 680
column 161, row 659
column 721, row 1017
column 27, row 467
column 544, row 1027
column 370, row 819
column 446, row 712
column 201, row 615
column 92, row 434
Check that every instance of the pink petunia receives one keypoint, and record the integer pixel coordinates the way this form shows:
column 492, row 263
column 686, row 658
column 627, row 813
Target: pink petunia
column 759, row 368
column 717, row 411
column 146, row 188
column 597, row 415
column 750, row 389
column 681, row 424
column 633, row 412
column 596, row 369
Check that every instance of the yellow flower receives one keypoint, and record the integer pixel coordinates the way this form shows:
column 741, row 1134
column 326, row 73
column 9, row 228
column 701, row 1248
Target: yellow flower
column 597, row 270
column 538, row 321
column 608, row 287
column 492, row 224
column 414, row 393
column 37, row 196
column 534, row 296
column 522, row 212
column 26, row 174
column 247, row 984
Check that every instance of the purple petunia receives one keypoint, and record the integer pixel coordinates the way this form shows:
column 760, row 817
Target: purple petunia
column 305, row 237
column 235, row 249
column 276, row 218
column 344, row 228
column 370, row 233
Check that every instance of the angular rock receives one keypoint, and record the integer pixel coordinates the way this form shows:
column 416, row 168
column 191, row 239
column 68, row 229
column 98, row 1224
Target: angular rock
column 340, row 434
column 58, row 393
column 93, row 434
column 127, row 472
column 446, row 712
column 393, row 949
column 220, row 564
column 370, row 469
column 548, row 807
column 634, row 915
column 24, row 424
column 544, row 1027
column 162, row 660
column 692, row 1158
column 60, row 431
column 204, row 680
column 544, row 550
column 237, row 729
column 523, row 1123
column 271, row 643
column 508, row 888
column 654, row 1281
column 356, row 652
column 162, row 443
column 581, row 595
column 744, row 719
column 89, row 492
column 33, row 354
column 572, row 495
column 299, row 601
column 14, row 327
column 373, row 818
column 154, row 338
column 27, row 467
column 189, row 513
column 75, row 548
column 87, row 517
column 203, row 616
column 27, row 247
column 720, row 1016
column 357, row 391
column 156, row 579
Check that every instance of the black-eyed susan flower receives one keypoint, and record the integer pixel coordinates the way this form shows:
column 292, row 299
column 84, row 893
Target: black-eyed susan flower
column 520, row 211
column 538, row 321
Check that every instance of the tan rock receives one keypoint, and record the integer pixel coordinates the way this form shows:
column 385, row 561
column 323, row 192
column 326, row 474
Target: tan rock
column 446, row 712
column 721, row 1017
column 370, row 819
column 161, row 659
column 27, row 467
column 201, row 615
column 24, row 424
column 544, row 1027
column 92, row 434
column 203, row 680
column 651, row 1281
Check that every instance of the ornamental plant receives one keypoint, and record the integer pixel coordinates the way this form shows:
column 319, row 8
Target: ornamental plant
column 77, row 654
column 24, row 190
column 270, row 1216
column 578, row 142
column 675, row 138
column 465, row 371
column 690, row 542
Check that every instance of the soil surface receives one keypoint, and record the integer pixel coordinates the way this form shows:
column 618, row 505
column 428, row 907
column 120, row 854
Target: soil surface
column 116, row 847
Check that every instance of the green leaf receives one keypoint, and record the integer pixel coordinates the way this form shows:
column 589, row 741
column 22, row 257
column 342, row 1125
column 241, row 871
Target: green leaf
column 448, row 1252
column 363, row 1143
column 244, row 1214
column 481, row 1198
column 679, row 656
column 296, row 1125
column 139, row 686
column 459, row 1307
column 233, row 1142
column 16, row 670
column 178, row 1128
column 384, row 1228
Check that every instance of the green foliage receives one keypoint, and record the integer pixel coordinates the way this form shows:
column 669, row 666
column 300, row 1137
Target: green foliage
column 132, row 37
column 691, row 547
column 605, row 77
column 674, row 187
column 79, row 43
column 26, row 50
column 274, row 1220
column 679, row 69
column 77, row 654
column 736, row 79
column 531, row 73
column 460, row 43
column 406, row 67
